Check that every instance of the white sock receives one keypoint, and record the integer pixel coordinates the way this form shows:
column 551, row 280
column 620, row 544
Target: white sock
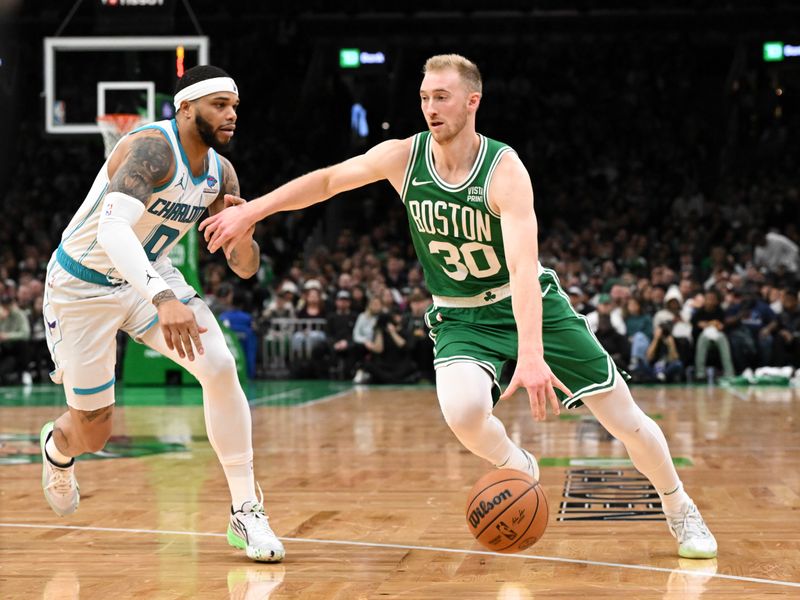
column 516, row 460
column 241, row 484
column 53, row 453
column 674, row 502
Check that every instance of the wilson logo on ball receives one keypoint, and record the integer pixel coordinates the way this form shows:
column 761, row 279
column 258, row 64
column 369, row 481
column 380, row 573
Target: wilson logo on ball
column 477, row 515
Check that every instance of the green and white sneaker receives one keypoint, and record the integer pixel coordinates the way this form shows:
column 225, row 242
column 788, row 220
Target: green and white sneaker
column 249, row 530
column 694, row 538
column 59, row 484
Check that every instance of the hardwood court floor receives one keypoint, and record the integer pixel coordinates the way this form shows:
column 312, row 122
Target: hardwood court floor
column 368, row 487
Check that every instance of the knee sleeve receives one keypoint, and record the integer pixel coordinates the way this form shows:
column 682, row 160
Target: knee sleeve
column 617, row 413
column 643, row 439
column 465, row 397
column 215, row 364
column 227, row 413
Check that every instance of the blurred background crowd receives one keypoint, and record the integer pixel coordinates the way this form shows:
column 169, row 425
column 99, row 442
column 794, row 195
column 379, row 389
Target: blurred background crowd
column 667, row 197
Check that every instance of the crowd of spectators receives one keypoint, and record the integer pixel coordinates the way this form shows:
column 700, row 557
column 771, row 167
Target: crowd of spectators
column 659, row 322
column 674, row 234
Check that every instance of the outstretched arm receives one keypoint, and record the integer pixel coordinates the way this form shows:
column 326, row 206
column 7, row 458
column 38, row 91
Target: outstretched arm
column 385, row 161
column 243, row 257
column 512, row 194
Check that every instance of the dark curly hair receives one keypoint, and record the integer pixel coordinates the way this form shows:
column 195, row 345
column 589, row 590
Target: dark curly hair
column 198, row 73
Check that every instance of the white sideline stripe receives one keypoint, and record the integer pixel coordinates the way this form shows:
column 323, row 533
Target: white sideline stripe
column 327, row 398
column 576, row 561
column 262, row 400
column 275, row 396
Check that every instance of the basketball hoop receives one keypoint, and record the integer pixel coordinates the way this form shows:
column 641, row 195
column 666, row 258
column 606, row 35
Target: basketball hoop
column 113, row 126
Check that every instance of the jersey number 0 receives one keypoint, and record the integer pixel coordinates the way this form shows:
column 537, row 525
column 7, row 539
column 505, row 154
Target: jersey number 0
column 161, row 238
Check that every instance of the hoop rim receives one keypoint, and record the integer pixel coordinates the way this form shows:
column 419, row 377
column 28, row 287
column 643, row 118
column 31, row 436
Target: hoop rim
column 122, row 122
column 113, row 126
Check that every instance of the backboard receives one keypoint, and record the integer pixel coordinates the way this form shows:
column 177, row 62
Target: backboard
column 90, row 76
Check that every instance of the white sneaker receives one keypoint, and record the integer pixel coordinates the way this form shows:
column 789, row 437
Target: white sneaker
column 59, row 484
column 249, row 530
column 694, row 538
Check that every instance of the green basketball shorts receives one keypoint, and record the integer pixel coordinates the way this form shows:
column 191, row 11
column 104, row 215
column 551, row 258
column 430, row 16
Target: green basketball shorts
column 487, row 336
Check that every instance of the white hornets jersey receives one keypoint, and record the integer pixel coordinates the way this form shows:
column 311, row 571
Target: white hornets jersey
column 170, row 212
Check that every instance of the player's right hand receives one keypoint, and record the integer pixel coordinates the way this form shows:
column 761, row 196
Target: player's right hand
column 180, row 328
column 229, row 225
column 533, row 375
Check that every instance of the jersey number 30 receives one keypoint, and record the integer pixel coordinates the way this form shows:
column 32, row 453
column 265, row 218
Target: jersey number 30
column 462, row 259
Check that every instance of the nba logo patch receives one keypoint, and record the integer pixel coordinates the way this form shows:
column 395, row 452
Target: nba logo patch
column 109, row 209
column 211, row 181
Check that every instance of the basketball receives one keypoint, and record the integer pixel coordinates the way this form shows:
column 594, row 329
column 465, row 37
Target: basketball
column 507, row 511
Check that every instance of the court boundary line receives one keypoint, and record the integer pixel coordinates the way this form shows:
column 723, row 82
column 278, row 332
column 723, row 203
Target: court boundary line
column 593, row 563
column 263, row 401
column 328, row 398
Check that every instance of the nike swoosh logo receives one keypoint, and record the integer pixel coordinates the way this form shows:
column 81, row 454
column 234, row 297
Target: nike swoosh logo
column 414, row 182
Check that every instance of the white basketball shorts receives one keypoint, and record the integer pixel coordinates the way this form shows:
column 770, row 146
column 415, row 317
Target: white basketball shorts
column 81, row 322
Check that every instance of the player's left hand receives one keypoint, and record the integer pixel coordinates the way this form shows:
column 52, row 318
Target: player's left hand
column 533, row 374
column 229, row 226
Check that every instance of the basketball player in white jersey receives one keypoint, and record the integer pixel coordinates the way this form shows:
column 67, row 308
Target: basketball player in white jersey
column 111, row 271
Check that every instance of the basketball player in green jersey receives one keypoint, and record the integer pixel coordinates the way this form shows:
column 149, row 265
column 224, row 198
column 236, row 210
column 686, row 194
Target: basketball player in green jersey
column 469, row 201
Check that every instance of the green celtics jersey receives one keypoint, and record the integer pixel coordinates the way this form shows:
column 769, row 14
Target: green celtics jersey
column 456, row 234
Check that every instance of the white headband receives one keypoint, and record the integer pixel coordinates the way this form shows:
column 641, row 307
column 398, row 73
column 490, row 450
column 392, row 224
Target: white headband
column 204, row 88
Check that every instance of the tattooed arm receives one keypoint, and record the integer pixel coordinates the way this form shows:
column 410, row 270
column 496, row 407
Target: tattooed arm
column 142, row 162
column 244, row 257
column 145, row 163
column 139, row 164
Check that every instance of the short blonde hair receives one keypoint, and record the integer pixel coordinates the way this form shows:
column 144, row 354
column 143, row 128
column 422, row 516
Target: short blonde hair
column 467, row 69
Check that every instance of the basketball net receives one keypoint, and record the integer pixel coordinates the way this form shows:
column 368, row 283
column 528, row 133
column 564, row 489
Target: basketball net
column 113, row 126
